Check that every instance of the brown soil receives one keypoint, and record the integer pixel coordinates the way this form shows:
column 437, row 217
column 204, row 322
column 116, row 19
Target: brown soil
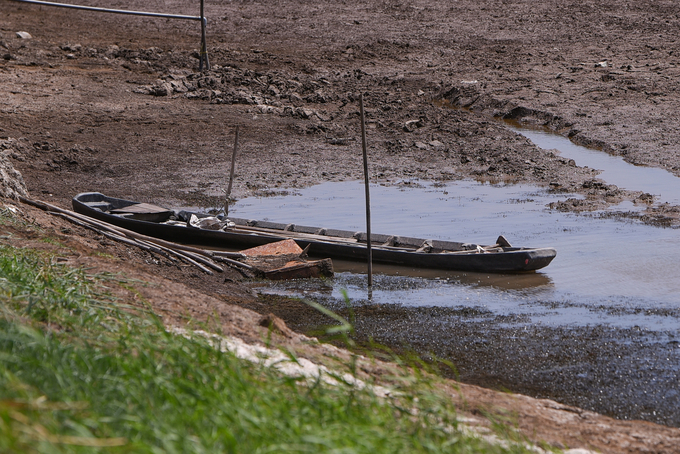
column 115, row 104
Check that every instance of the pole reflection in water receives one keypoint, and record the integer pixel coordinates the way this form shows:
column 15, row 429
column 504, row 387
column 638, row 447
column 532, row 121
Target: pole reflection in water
column 606, row 270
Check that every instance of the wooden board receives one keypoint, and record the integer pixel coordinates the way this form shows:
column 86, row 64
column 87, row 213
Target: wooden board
column 140, row 208
column 285, row 247
column 302, row 270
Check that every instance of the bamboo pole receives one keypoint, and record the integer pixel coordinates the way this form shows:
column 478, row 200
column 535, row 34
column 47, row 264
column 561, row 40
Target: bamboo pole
column 193, row 259
column 235, row 263
column 227, row 198
column 203, row 54
column 231, row 255
column 120, row 230
column 188, row 253
column 368, row 197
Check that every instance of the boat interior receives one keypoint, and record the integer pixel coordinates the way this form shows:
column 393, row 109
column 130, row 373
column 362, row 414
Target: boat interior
column 152, row 213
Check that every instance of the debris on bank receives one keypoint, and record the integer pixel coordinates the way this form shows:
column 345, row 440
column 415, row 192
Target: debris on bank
column 286, row 260
column 12, row 184
column 276, row 261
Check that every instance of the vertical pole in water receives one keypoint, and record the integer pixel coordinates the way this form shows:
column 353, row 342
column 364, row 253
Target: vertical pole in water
column 203, row 54
column 368, row 198
column 231, row 176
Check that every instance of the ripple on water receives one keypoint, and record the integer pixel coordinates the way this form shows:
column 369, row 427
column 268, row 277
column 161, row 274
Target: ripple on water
column 622, row 265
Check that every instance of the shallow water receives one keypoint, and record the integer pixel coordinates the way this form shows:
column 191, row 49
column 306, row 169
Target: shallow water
column 606, row 270
column 615, row 170
column 598, row 328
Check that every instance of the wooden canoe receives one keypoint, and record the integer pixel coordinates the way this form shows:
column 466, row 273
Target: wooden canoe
column 169, row 225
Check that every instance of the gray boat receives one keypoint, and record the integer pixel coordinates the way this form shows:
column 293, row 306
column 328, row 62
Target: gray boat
column 206, row 230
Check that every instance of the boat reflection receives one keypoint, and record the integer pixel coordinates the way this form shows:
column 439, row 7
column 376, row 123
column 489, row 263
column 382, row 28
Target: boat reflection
column 515, row 281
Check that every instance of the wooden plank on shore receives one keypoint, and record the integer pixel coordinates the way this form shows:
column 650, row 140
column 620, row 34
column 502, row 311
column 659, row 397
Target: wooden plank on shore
column 301, row 270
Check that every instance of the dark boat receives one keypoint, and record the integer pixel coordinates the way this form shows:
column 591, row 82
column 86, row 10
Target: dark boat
column 169, row 225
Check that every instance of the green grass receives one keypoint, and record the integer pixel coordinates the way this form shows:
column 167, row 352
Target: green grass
column 81, row 373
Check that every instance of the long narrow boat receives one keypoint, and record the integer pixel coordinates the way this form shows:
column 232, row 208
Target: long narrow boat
column 186, row 228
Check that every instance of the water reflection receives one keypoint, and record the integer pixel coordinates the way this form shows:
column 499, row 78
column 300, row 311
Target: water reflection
column 498, row 281
column 605, row 269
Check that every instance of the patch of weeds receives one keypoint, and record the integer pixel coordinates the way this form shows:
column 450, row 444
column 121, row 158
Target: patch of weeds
column 104, row 255
column 34, row 287
column 78, row 373
column 9, row 216
column 51, row 240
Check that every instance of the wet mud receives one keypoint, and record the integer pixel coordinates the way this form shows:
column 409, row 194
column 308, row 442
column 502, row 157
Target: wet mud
column 596, row 329
column 624, row 373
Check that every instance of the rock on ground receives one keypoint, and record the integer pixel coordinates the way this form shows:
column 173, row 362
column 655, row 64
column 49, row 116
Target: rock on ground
column 11, row 182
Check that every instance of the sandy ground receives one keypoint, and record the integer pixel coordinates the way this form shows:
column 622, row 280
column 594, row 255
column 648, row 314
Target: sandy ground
column 115, row 104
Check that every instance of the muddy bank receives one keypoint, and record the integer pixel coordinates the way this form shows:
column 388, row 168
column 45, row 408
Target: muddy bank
column 624, row 373
column 157, row 282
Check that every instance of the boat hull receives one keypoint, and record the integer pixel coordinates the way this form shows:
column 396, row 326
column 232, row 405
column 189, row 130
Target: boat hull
column 337, row 244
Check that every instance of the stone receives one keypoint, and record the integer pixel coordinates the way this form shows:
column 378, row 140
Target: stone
column 178, row 86
column 265, row 109
column 295, row 99
column 412, row 125
column 275, row 324
column 71, row 47
column 143, row 90
column 112, row 51
column 323, row 116
column 11, row 181
column 274, row 91
column 24, row 35
column 304, row 113
column 161, row 89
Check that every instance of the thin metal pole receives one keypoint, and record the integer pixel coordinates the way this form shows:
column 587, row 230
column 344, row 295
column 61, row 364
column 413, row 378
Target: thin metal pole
column 109, row 10
column 203, row 55
column 231, row 175
column 368, row 197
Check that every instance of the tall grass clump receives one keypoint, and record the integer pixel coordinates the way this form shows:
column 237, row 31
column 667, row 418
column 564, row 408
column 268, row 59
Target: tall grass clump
column 81, row 373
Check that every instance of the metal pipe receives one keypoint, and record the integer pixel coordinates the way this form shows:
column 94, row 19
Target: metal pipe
column 205, row 45
column 368, row 198
column 203, row 53
column 115, row 11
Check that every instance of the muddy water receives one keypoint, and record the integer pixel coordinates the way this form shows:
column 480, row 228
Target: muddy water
column 598, row 328
column 658, row 182
column 623, row 264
